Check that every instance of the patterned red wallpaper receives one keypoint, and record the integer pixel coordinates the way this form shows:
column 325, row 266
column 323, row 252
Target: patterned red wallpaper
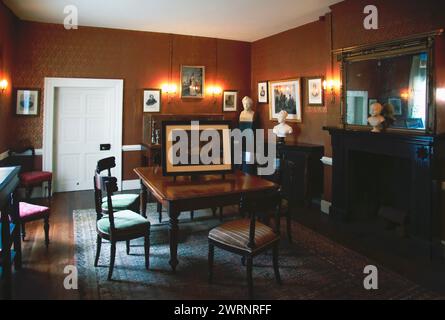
column 142, row 59
column 8, row 24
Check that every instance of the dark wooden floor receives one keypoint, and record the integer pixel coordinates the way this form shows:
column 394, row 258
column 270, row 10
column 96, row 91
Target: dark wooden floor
column 43, row 270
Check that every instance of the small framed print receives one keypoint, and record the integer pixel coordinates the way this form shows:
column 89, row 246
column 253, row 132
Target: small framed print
column 27, row 102
column 192, row 82
column 285, row 95
column 152, row 100
column 263, row 92
column 314, row 92
column 230, row 99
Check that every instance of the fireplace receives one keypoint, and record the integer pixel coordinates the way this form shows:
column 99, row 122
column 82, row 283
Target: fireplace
column 394, row 177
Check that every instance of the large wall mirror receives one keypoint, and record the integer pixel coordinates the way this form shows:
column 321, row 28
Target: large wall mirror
column 395, row 75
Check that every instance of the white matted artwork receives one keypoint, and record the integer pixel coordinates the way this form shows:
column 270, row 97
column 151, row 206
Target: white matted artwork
column 152, row 100
column 27, row 102
column 230, row 100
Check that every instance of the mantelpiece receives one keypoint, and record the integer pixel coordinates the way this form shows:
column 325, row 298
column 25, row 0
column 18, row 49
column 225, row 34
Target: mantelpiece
column 409, row 167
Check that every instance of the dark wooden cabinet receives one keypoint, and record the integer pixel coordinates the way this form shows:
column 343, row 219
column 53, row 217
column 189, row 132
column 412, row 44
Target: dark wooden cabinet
column 299, row 172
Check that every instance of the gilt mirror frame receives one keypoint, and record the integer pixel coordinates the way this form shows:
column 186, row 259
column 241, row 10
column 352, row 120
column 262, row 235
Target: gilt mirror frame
column 423, row 43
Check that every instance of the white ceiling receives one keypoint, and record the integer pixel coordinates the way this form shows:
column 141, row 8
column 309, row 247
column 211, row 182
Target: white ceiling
column 246, row 20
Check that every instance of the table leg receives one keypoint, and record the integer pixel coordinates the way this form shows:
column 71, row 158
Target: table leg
column 143, row 200
column 173, row 230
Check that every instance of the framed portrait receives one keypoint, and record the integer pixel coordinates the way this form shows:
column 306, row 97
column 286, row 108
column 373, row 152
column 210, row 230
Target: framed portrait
column 397, row 104
column 190, row 149
column 152, row 100
column 230, row 100
column 285, row 95
column 192, row 82
column 263, row 92
column 314, row 92
column 27, row 102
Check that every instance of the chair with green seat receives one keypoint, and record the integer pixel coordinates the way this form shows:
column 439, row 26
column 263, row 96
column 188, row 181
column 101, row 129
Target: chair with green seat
column 116, row 225
column 121, row 202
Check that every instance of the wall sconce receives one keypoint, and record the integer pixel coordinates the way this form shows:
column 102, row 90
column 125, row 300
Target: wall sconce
column 440, row 94
column 170, row 90
column 214, row 91
column 3, row 85
column 331, row 85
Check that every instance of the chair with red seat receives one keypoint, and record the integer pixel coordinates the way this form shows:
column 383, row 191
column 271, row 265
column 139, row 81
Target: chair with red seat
column 30, row 212
column 29, row 176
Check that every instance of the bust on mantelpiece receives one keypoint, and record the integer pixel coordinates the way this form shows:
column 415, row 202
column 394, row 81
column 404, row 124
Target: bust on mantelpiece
column 376, row 119
column 247, row 115
column 282, row 129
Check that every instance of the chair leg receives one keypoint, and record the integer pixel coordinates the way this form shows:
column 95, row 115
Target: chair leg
column 249, row 277
column 276, row 268
column 28, row 193
column 98, row 246
column 289, row 225
column 49, row 189
column 160, row 212
column 221, row 213
column 192, row 214
column 46, row 228
column 112, row 258
column 128, row 246
column 211, row 255
column 147, row 250
column 23, row 231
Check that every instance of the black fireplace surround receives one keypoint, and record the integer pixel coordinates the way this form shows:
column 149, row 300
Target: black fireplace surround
column 423, row 159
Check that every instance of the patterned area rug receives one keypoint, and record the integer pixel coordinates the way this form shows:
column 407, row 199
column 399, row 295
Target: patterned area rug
column 312, row 267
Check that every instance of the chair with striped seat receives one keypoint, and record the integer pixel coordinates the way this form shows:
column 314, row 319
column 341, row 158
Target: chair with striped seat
column 249, row 237
column 118, row 226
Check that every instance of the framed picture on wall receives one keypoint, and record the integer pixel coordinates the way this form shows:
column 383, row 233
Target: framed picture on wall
column 314, row 92
column 192, row 82
column 27, row 102
column 230, row 99
column 285, row 95
column 152, row 100
column 397, row 104
column 263, row 92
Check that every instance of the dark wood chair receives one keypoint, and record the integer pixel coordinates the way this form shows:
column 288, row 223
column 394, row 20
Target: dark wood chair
column 121, row 202
column 118, row 225
column 249, row 237
column 31, row 212
column 30, row 177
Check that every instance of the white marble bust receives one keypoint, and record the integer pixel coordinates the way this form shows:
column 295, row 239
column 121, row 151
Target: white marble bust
column 248, row 115
column 282, row 129
column 376, row 119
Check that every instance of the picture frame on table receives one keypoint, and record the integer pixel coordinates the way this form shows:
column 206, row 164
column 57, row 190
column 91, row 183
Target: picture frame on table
column 285, row 95
column 27, row 102
column 185, row 158
column 152, row 100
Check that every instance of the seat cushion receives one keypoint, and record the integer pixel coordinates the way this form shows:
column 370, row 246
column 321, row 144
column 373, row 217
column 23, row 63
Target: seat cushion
column 126, row 223
column 35, row 177
column 121, row 202
column 236, row 234
column 32, row 211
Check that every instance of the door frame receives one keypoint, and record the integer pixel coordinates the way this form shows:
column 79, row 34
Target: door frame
column 51, row 84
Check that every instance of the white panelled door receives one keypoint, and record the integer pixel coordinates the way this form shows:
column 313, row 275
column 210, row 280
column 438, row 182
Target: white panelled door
column 84, row 132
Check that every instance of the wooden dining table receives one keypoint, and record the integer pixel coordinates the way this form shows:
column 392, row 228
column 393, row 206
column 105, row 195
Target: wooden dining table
column 185, row 193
